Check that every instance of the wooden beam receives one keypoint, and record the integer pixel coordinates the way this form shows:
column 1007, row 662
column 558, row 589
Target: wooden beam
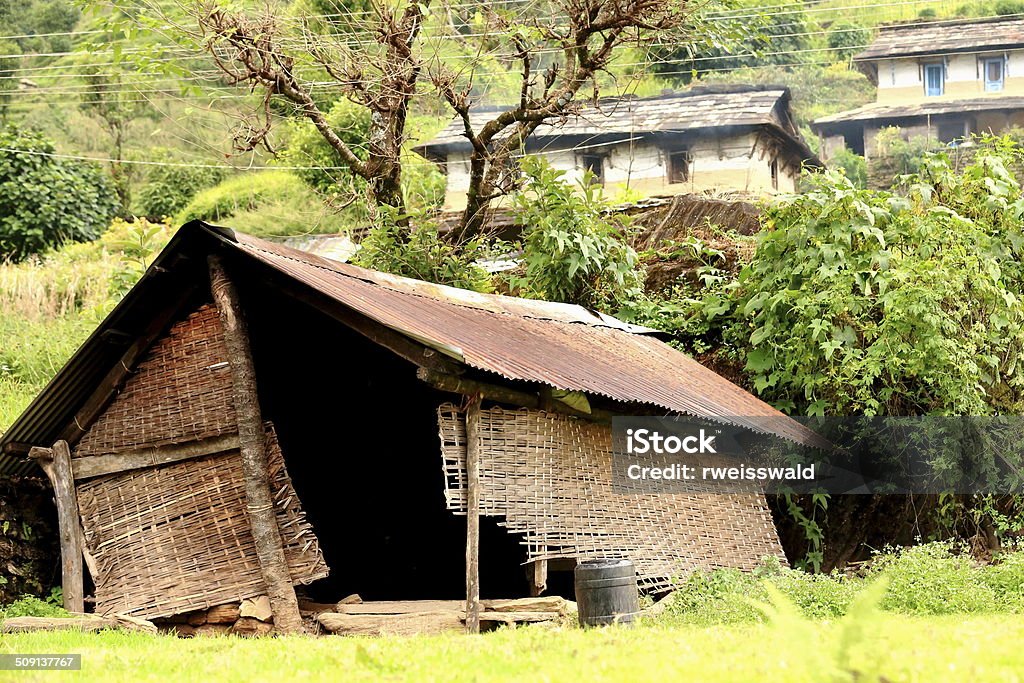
column 538, row 577
column 253, row 447
column 473, row 514
column 56, row 463
column 97, row 465
column 509, row 396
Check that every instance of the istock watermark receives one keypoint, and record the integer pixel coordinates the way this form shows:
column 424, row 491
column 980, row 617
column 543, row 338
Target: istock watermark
column 853, row 455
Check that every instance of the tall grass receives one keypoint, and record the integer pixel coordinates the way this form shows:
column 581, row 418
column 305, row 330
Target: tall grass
column 50, row 304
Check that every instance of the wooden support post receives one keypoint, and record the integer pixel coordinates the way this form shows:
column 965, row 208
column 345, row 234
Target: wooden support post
column 538, row 577
column 473, row 514
column 253, row 447
column 56, row 463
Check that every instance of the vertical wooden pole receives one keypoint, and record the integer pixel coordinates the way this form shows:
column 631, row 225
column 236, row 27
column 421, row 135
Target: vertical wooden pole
column 538, row 576
column 473, row 514
column 253, row 447
column 56, row 463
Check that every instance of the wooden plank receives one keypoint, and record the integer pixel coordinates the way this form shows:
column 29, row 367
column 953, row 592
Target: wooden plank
column 252, row 445
column 549, row 603
column 538, row 577
column 408, row 624
column 56, row 463
column 98, row 465
column 473, row 514
column 402, row 607
column 517, row 617
column 29, row 624
column 77, row 622
column 506, row 395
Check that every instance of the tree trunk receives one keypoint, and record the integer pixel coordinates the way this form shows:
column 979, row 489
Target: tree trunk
column 474, row 217
column 253, row 447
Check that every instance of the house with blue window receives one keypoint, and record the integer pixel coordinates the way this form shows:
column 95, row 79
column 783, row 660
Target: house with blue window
column 944, row 80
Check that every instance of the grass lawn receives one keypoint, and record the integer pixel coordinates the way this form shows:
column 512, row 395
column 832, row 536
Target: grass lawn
column 893, row 648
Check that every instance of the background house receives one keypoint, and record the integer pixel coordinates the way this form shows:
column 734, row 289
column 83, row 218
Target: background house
column 731, row 138
column 943, row 80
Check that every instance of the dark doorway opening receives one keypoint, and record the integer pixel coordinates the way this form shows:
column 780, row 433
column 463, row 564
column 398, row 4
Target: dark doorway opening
column 360, row 438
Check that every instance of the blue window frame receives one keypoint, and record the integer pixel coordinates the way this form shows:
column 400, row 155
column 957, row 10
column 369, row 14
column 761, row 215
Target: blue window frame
column 934, row 79
column 994, row 74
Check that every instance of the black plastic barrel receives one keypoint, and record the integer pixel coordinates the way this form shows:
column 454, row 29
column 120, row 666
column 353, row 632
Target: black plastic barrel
column 606, row 592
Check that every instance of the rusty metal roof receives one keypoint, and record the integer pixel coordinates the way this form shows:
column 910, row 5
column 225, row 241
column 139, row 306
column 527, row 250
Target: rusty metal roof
column 945, row 37
column 566, row 347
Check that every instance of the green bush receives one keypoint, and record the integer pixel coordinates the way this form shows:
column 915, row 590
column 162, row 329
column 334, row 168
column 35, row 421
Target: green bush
column 29, row 606
column 265, row 203
column 846, row 39
column 573, row 251
column 46, row 201
column 169, row 189
column 306, row 148
column 726, row 596
column 423, row 254
column 854, row 166
column 933, row 579
column 862, row 302
column 1008, row 7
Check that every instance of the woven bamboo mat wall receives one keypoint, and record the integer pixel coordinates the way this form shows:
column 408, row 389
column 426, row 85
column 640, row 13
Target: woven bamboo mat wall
column 180, row 391
column 549, row 478
column 176, row 538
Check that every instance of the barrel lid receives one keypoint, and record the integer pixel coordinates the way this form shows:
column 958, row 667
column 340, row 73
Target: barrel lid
column 605, row 563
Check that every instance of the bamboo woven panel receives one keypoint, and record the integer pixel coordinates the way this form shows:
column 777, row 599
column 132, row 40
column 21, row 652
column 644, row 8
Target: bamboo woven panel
column 180, row 391
column 549, row 478
column 176, row 538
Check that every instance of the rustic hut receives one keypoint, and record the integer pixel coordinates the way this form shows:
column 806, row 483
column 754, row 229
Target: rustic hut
column 251, row 418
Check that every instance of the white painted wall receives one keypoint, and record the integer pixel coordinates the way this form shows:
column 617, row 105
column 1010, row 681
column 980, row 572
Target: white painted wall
column 736, row 162
column 906, row 72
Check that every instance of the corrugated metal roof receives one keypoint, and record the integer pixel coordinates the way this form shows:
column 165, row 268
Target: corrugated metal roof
column 566, row 347
column 875, row 111
column 943, row 37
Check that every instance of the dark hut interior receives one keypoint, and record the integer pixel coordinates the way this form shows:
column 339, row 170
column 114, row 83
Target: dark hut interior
column 360, row 439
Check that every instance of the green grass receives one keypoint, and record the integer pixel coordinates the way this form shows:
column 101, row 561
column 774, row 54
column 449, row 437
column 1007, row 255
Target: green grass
column 900, row 648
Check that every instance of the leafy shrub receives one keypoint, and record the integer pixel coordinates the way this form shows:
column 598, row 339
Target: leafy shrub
column 1008, row 7
column 422, row 253
column 169, row 189
column 854, row 166
column 846, row 39
column 864, row 302
column 47, row 201
column 724, row 596
column 933, row 579
column 307, row 148
column 29, row 606
column 905, row 155
column 264, row 203
column 573, row 251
